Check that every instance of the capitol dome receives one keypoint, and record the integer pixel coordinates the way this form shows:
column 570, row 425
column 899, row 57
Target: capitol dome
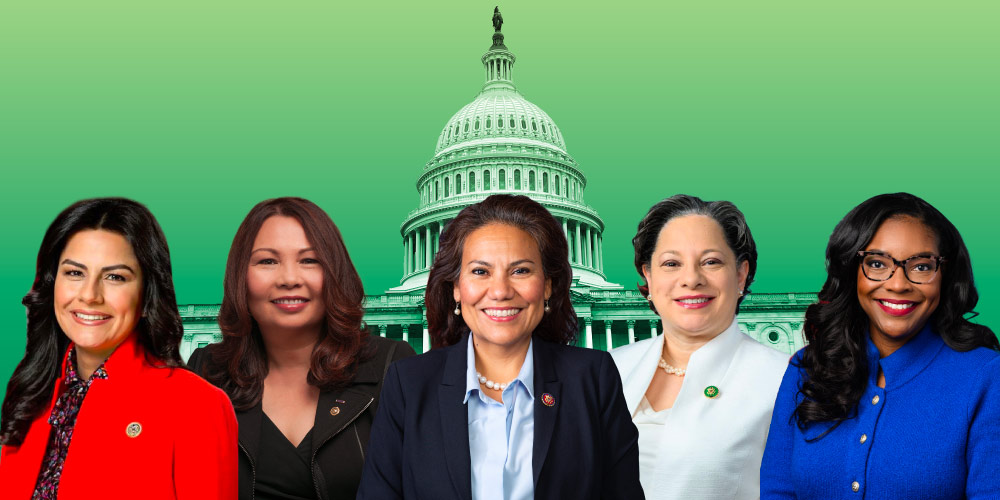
column 501, row 143
column 500, row 114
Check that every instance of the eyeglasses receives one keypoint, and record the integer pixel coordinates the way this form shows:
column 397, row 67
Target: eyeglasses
column 919, row 269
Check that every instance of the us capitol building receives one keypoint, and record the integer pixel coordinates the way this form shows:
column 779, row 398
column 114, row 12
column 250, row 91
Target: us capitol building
column 503, row 143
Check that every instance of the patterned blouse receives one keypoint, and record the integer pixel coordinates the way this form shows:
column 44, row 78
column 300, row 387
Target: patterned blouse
column 62, row 420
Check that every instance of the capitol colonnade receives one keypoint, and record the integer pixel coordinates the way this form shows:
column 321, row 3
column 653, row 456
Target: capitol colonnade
column 503, row 143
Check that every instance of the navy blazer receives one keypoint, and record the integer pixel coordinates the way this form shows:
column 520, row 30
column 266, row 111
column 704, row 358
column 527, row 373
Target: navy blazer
column 585, row 444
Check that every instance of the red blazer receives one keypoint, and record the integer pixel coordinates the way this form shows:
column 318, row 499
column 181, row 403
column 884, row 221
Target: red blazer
column 186, row 448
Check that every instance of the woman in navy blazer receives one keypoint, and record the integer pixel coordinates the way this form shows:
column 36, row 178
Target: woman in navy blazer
column 554, row 424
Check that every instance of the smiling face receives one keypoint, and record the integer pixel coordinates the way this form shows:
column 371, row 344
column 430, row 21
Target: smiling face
column 898, row 308
column 285, row 278
column 694, row 280
column 97, row 293
column 501, row 286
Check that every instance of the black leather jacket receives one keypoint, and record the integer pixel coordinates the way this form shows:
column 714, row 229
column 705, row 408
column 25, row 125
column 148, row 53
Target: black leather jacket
column 341, row 429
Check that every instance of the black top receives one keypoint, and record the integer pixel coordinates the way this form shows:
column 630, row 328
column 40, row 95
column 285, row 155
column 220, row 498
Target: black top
column 339, row 440
column 283, row 471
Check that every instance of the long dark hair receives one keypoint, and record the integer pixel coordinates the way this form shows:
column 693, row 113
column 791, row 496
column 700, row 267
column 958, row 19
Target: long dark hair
column 730, row 219
column 835, row 360
column 239, row 362
column 558, row 325
column 160, row 330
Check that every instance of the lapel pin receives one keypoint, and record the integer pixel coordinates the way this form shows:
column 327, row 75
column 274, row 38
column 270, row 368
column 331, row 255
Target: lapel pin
column 548, row 400
column 335, row 411
column 133, row 429
column 711, row 392
column 341, row 401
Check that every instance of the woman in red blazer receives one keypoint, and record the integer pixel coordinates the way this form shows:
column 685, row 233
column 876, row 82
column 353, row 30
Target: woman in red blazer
column 101, row 405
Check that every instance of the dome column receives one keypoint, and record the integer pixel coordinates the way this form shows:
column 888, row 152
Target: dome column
column 576, row 241
column 416, row 253
column 429, row 243
column 590, row 249
column 406, row 255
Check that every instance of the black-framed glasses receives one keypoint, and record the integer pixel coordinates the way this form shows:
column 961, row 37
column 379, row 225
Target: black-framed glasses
column 919, row 269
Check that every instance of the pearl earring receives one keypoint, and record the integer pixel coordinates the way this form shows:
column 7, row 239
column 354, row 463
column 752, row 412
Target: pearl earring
column 547, row 308
column 458, row 311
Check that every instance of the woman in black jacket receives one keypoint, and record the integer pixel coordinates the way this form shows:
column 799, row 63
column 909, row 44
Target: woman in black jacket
column 302, row 373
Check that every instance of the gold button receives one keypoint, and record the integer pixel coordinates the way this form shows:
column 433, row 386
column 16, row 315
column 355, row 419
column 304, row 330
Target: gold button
column 864, row 437
column 875, row 400
column 335, row 411
column 855, row 486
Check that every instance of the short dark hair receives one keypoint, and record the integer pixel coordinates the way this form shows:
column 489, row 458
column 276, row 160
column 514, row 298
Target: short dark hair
column 730, row 219
column 835, row 357
column 559, row 324
column 239, row 363
column 159, row 329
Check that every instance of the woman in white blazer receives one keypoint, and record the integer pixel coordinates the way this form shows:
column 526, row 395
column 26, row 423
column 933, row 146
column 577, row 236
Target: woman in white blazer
column 701, row 394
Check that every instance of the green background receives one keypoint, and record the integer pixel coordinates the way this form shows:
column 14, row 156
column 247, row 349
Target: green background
column 794, row 110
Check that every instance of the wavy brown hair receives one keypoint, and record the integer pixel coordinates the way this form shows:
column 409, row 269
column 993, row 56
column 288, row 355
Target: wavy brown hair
column 239, row 363
column 159, row 329
column 558, row 325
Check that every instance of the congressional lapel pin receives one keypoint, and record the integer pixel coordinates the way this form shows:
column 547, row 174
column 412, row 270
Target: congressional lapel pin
column 711, row 392
column 548, row 400
column 341, row 401
column 335, row 411
column 133, row 430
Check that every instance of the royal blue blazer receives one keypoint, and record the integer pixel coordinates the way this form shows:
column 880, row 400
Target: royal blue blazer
column 585, row 445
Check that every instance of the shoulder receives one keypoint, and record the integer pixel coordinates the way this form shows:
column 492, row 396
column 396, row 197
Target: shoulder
column 426, row 364
column 762, row 356
column 980, row 366
column 381, row 347
column 631, row 353
column 184, row 383
column 571, row 360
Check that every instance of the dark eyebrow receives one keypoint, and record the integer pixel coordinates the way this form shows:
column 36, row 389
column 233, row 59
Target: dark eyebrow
column 117, row 266
column 103, row 269
column 886, row 254
column 481, row 262
column 522, row 261
column 304, row 250
column 73, row 263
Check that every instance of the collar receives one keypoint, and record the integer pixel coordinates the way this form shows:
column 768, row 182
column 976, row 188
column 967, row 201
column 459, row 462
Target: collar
column 707, row 366
column 124, row 362
column 525, row 377
column 907, row 361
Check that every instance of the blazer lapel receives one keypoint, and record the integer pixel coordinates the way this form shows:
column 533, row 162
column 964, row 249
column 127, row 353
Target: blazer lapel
column 455, row 419
column 637, row 380
column 335, row 410
column 547, row 386
column 248, row 422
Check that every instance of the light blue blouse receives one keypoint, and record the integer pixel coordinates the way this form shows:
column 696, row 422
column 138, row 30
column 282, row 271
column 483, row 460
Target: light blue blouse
column 501, row 435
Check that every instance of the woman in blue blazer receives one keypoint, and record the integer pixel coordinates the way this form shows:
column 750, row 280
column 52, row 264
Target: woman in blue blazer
column 897, row 394
column 502, row 407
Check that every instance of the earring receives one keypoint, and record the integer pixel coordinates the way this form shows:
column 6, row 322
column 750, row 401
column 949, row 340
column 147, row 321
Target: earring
column 547, row 308
column 741, row 293
column 458, row 311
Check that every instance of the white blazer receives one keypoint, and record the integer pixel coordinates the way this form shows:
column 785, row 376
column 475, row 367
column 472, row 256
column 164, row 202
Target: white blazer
column 711, row 448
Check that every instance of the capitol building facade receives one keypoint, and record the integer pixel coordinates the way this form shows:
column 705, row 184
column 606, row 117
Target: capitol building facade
column 503, row 143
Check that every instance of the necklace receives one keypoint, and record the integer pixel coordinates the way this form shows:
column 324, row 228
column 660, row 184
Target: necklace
column 491, row 384
column 672, row 370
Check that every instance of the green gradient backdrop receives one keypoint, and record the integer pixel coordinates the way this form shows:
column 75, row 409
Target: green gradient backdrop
column 794, row 110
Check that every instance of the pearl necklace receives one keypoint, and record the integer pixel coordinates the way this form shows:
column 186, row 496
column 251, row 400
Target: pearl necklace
column 672, row 370
column 491, row 384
